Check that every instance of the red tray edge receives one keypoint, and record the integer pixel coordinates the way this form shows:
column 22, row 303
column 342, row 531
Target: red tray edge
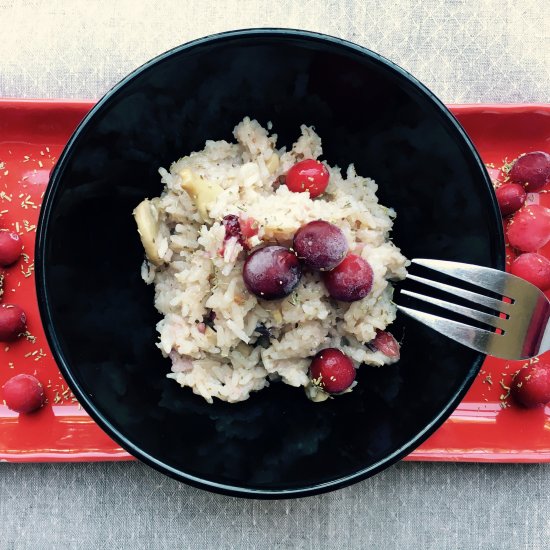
column 33, row 103
column 90, row 456
column 480, row 456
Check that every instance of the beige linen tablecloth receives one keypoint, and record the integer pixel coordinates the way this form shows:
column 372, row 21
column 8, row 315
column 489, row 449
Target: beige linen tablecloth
column 465, row 51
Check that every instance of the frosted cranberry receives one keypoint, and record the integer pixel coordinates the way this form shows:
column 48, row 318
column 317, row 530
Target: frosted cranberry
column 321, row 245
column 12, row 322
column 23, row 393
column 349, row 281
column 529, row 229
column 308, row 175
column 10, row 248
column 534, row 268
column 531, row 385
column 332, row 370
column 510, row 197
column 532, row 170
column 272, row 272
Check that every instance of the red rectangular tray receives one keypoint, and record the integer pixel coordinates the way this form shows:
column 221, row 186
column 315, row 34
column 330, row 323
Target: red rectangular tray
column 486, row 426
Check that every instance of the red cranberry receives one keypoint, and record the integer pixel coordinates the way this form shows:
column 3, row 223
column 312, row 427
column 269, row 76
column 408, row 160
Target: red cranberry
column 332, row 370
column 12, row 322
column 534, row 268
column 308, row 175
column 10, row 248
column 321, row 245
column 249, row 227
column 23, row 393
column 532, row 170
column 385, row 343
column 531, row 385
column 351, row 280
column 529, row 229
column 510, row 197
column 272, row 272
column 233, row 229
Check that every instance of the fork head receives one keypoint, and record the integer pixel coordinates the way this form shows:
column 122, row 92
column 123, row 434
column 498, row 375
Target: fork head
column 519, row 329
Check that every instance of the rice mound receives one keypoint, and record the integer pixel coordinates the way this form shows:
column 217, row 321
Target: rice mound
column 222, row 340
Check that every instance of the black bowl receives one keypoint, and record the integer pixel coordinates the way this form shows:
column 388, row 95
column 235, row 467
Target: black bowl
column 99, row 315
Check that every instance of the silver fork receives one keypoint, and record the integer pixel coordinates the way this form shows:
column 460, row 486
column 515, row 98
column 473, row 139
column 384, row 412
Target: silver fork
column 525, row 332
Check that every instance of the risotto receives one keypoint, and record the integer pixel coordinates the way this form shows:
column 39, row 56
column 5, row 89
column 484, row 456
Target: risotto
column 269, row 265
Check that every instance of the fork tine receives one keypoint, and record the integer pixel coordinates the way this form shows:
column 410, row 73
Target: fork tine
column 480, row 316
column 476, row 338
column 491, row 303
column 484, row 277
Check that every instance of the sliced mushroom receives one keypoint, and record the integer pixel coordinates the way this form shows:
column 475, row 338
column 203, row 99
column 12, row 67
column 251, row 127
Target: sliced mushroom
column 316, row 394
column 202, row 191
column 254, row 241
column 279, row 229
column 146, row 217
column 273, row 163
column 244, row 349
column 277, row 316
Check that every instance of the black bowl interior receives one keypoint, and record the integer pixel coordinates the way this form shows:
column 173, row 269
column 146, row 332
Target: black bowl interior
column 99, row 315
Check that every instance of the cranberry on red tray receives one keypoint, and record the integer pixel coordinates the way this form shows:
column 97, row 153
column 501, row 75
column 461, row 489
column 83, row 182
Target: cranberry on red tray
column 308, row 175
column 12, row 322
column 10, row 248
column 320, row 244
column 532, row 170
column 531, row 385
column 534, row 268
column 529, row 229
column 510, row 197
column 272, row 272
column 23, row 393
column 351, row 280
column 332, row 370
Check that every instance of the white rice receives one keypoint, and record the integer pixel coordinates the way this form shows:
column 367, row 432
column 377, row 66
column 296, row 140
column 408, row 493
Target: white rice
column 221, row 359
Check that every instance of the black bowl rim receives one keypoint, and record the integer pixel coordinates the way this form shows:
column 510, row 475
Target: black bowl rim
column 45, row 305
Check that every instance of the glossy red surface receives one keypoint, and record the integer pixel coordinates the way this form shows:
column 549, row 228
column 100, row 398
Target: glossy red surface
column 485, row 427
column 32, row 134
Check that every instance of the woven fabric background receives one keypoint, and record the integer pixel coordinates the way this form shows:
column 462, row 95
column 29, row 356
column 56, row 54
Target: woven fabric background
column 465, row 51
